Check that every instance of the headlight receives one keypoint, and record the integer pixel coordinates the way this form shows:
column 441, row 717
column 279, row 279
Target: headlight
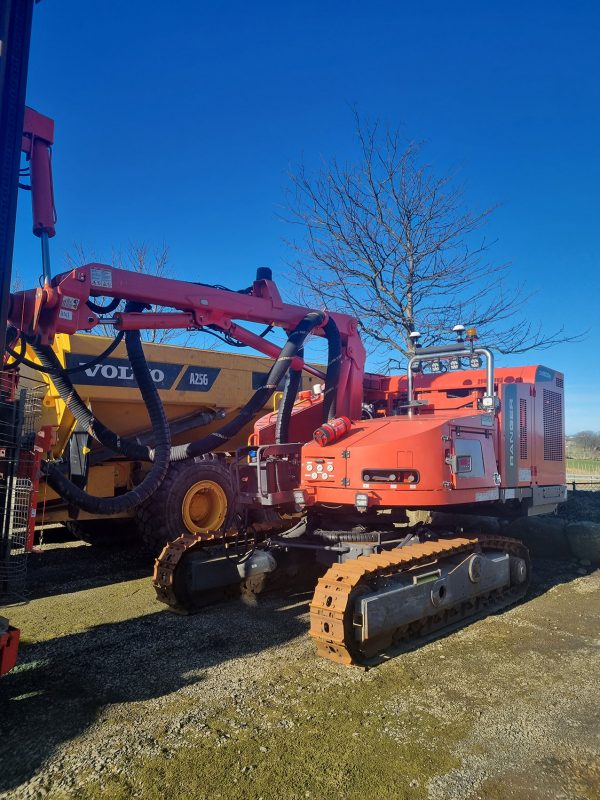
column 361, row 501
column 299, row 499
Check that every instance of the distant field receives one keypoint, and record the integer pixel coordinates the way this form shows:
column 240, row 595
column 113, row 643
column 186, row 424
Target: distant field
column 587, row 466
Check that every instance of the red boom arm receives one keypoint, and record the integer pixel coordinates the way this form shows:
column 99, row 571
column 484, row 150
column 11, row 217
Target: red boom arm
column 62, row 308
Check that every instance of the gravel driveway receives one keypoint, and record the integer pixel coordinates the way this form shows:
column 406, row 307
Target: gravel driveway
column 116, row 697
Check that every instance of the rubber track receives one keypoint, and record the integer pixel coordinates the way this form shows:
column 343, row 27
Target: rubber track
column 163, row 578
column 332, row 606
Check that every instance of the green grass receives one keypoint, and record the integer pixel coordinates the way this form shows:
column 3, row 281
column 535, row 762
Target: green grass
column 339, row 745
column 587, row 466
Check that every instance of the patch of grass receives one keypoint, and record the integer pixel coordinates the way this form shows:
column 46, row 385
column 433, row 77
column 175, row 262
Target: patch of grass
column 63, row 614
column 587, row 466
column 330, row 742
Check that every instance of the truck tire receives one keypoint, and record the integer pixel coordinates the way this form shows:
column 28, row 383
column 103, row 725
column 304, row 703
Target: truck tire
column 195, row 496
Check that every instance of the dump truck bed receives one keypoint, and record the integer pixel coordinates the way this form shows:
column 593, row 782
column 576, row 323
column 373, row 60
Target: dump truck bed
column 190, row 382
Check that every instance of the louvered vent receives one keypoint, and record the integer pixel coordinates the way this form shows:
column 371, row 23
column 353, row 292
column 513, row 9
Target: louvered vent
column 560, row 382
column 523, row 429
column 553, row 441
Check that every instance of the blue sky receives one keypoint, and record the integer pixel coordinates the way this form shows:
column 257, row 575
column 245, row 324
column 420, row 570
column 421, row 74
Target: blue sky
column 178, row 123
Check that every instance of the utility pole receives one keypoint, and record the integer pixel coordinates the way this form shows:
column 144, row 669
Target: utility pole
column 15, row 35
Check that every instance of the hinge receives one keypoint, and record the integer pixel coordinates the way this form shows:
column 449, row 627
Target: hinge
column 345, row 453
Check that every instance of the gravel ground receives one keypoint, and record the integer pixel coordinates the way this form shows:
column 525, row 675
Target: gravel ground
column 116, row 697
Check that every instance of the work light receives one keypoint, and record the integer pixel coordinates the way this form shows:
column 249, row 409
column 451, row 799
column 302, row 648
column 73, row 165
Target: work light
column 361, row 501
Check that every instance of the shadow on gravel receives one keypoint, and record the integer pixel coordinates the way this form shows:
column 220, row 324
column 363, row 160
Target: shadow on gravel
column 60, row 687
column 546, row 573
column 70, row 566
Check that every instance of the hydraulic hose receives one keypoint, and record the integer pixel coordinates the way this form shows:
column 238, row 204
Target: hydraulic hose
column 294, row 377
column 334, row 362
column 12, row 336
column 104, row 309
column 58, row 369
column 284, row 413
column 281, row 365
column 134, row 450
column 160, row 426
column 96, row 429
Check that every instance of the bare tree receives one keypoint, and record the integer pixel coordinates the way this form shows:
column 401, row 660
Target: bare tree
column 588, row 442
column 388, row 241
column 138, row 257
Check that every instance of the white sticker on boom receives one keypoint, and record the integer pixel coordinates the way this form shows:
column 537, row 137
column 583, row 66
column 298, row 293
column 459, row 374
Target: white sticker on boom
column 101, row 277
column 70, row 302
column 64, row 314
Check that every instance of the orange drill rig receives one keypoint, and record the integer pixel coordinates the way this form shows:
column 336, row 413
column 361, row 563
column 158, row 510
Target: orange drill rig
column 481, row 442
column 339, row 469
column 326, row 482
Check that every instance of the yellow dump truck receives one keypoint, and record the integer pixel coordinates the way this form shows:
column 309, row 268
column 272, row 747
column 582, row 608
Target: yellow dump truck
column 201, row 390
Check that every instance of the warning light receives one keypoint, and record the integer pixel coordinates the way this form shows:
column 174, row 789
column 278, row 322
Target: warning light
column 471, row 333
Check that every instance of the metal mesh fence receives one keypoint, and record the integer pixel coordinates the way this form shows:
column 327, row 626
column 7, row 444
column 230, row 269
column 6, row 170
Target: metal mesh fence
column 20, row 416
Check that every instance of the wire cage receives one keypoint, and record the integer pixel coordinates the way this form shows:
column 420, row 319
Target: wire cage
column 20, row 418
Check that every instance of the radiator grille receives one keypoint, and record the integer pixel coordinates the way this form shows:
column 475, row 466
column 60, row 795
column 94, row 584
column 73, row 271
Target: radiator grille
column 523, row 429
column 553, row 439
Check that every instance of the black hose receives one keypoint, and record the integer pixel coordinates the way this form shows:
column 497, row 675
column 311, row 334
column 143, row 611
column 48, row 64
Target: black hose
column 135, row 450
column 284, row 413
column 160, row 426
column 281, row 365
column 334, row 362
column 103, row 309
column 82, row 413
column 332, row 378
column 58, row 368
column 12, row 334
